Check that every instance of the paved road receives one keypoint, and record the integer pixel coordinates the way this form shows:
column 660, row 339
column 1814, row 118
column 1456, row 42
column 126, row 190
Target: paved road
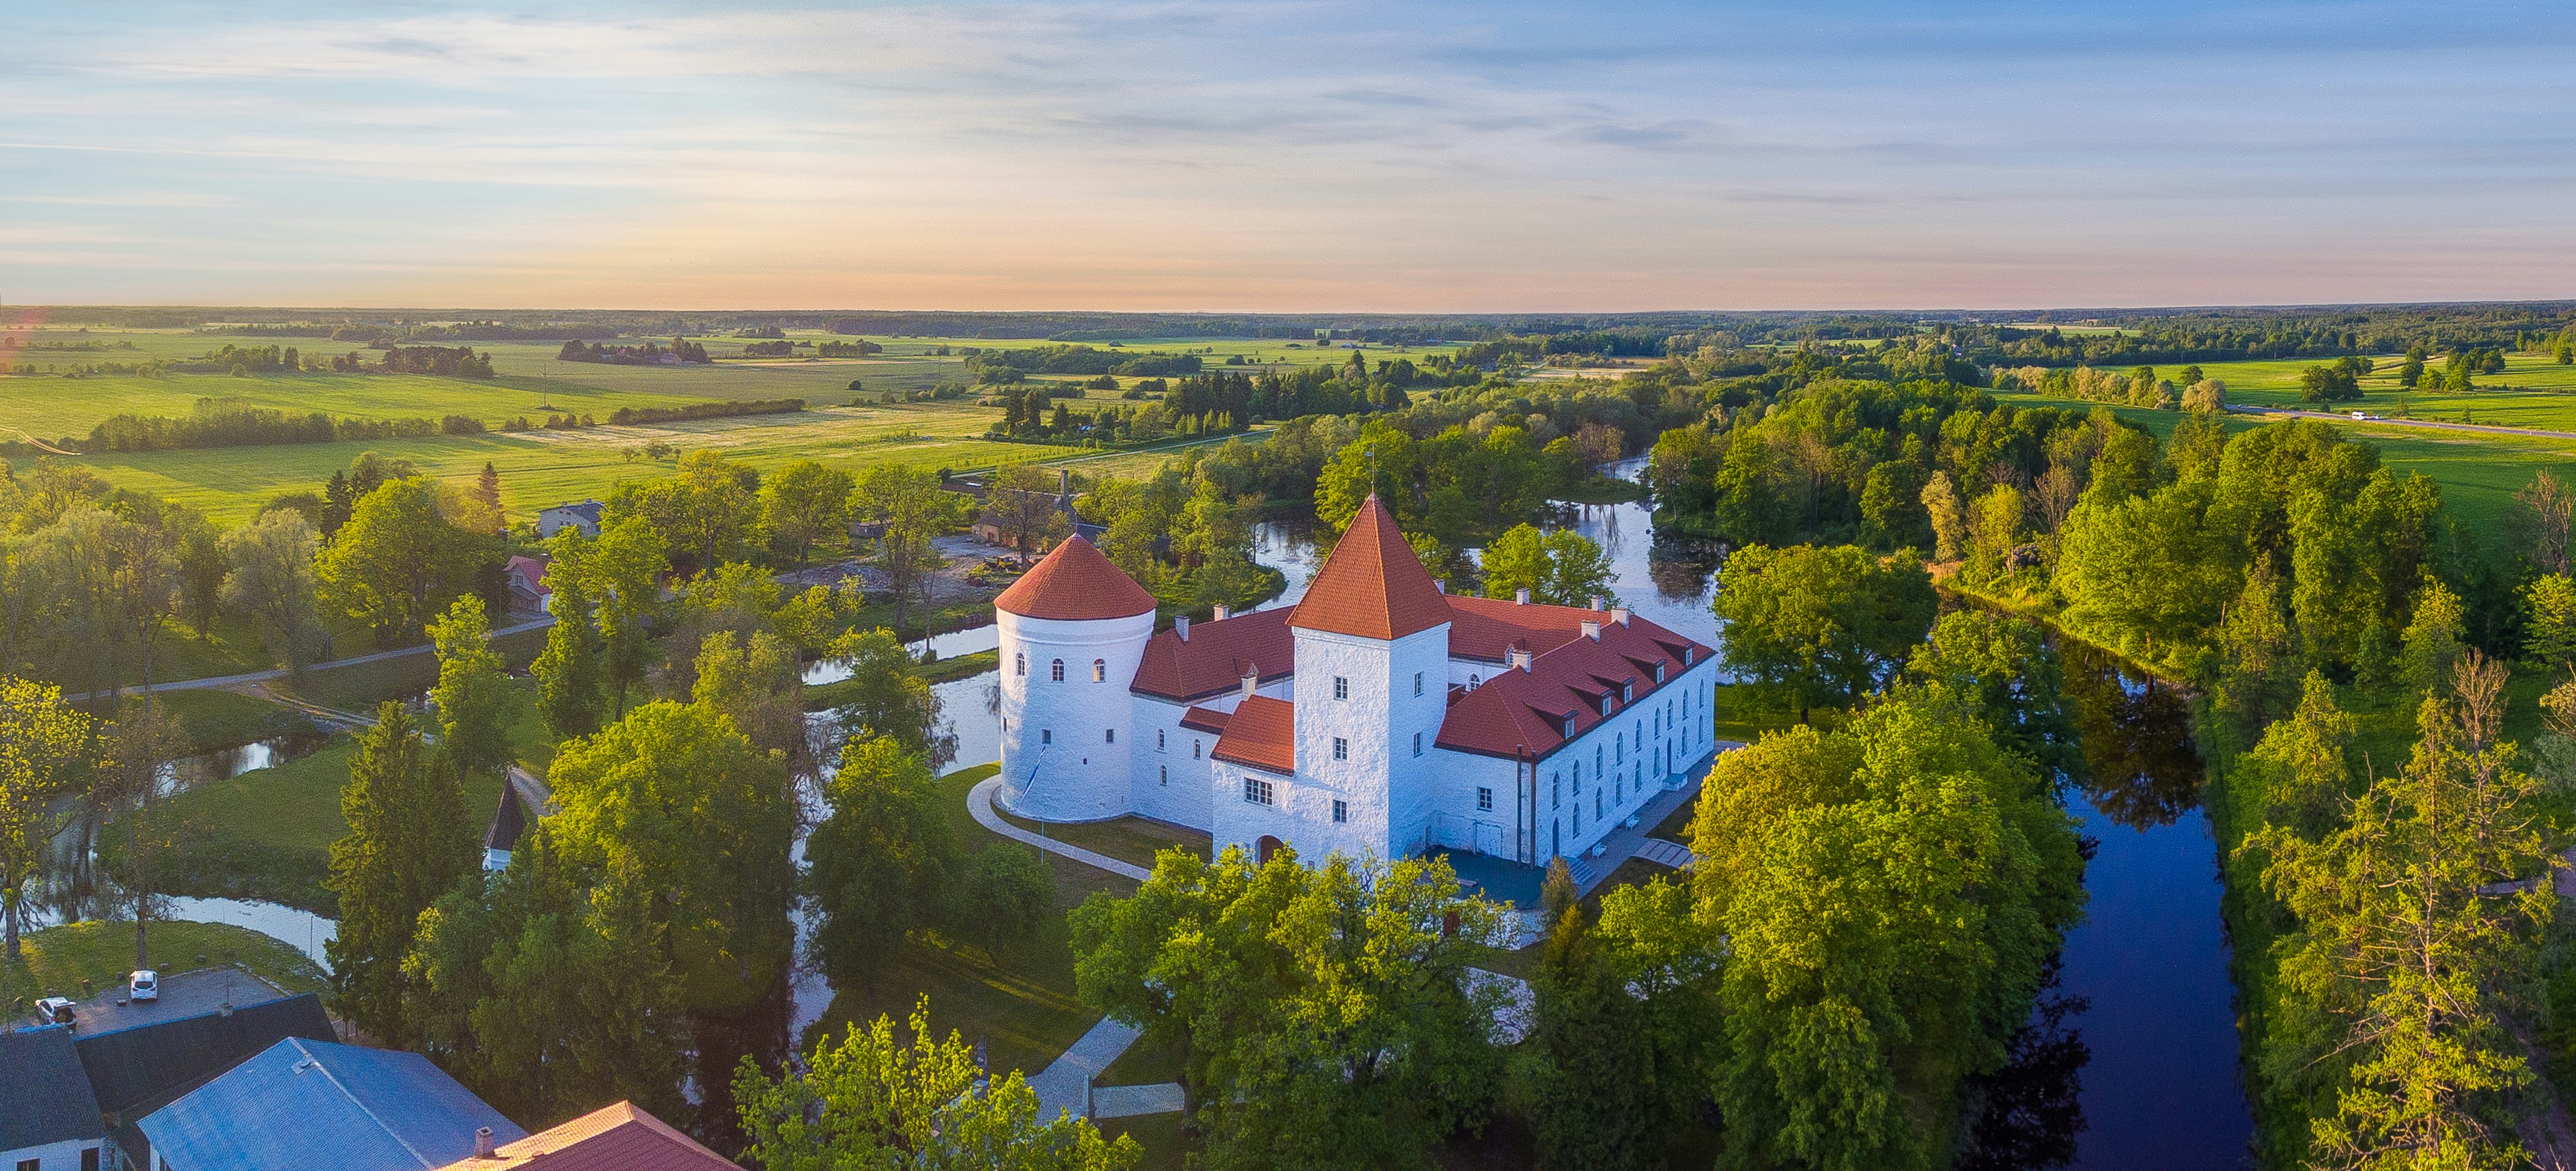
column 979, row 802
column 2382, row 420
column 218, row 681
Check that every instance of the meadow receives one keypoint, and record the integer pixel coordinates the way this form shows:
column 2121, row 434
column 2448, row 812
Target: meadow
column 2534, row 391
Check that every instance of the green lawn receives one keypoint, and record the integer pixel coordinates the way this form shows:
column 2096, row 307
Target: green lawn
column 57, row 960
column 267, row 833
column 1133, row 840
column 1021, row 1004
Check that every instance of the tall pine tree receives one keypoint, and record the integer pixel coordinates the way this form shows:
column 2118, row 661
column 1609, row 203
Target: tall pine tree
column 409, row 841
column 1595, row 1104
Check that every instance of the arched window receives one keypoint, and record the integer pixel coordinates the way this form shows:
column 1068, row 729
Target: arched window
column 1019, row 664
column 1472, row 681
column 1100, row 670
column 1194, row 750
column 1059, row 670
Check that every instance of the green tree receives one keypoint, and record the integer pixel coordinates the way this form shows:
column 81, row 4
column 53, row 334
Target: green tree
column 1594, row 1102
column 913, row 508
column 473, row 690
column 42, row 742
column 397, row 560
column 1330, row 1017
column 620, row 574
column 759, row 685
column 2418, row 919
column 1007, row 896
column 1808, row 625
column 1890, row 894
column 706, row 513
column 2328, row 384
column 872, row 1101
column 571, row 683
column 547, row 990
column 884, row 863
column 1949, row 518
column 802, row 504
column 2549, row 617
column 1021, row 506
column 1995, row 529
column 882, row 696
column 1562, row 568
column 2432, row 645
column 272, row 582
column 409, row 841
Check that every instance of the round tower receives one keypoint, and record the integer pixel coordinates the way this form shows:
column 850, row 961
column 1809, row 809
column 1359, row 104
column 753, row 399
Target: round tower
column 1073, row 630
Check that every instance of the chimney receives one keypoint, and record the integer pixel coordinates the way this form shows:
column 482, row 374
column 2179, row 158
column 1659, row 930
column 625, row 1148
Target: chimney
column 484, row 1148
column 1251, row 679
column 1592, row 629
column 1619, row 614
column 1520, row 658
column 1596, row 601
column 1223, row 612
column 1520, row 597
column 1181, row 626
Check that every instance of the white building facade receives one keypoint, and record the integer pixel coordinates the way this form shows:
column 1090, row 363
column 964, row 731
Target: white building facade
column 1379, row 717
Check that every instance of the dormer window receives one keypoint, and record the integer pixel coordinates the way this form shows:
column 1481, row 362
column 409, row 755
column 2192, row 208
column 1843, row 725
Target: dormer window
column 1569, row 726
column 1659, row 672
column 1627, row 691
column 1605, row 705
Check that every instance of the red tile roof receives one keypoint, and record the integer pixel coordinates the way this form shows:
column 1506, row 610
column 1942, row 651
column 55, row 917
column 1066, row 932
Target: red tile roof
column 1525, row 710
column 1262, row 733
column 611, row 1138
column 1074, row 584
column 1214, row 657
column 1372, row 585
column 1206, row 719
column 1483, row 628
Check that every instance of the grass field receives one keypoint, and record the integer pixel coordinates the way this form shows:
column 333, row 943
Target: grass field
column 543, row 468
column 2478, row 473
column 59, row 959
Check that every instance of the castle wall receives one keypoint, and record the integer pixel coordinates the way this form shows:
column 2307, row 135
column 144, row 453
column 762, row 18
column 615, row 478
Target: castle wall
column 1067, row 746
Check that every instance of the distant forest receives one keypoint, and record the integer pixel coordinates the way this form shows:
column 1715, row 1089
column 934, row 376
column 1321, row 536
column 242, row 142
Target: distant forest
column 1989, row 337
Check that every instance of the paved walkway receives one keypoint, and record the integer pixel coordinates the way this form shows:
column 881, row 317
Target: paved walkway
column 1634, row 840
column 979, row 801
column 1064, row 1084
column 1666, row 853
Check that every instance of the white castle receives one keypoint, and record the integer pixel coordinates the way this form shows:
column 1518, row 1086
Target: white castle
column 1378, row 717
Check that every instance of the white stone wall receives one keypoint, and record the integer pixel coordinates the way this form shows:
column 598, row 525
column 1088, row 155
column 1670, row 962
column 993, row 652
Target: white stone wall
column 1059, row 759
column 1610, row 791
column 1376, row 716
column 61, row 1156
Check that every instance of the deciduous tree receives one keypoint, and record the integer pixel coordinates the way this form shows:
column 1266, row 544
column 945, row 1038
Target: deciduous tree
column 41, row 746
column 272, row 581
column 884, row 864
column 1808, row 625
column 409, row 841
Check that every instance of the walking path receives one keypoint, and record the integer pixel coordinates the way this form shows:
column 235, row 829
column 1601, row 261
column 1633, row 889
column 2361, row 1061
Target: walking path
column 1666, row 853
column 979, row 801
column 1064, row 1086
column 218, row 681
column 1636, row 837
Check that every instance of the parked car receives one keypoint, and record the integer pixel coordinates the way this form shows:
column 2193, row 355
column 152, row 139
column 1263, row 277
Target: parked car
column 143, row 985
column 55, row 1010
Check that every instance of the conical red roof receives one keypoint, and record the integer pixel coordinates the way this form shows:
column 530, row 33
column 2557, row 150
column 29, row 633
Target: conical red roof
column 1372, row 585
column 1075, row 584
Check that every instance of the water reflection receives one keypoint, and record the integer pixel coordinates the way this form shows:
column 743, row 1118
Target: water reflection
column 2143, row 769
column 2033, row 1107
column 188, row 772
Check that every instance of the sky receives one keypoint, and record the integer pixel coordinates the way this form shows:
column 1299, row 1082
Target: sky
column 1285, row 156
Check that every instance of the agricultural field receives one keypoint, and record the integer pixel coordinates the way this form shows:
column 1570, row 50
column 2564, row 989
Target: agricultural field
column 2534, row 391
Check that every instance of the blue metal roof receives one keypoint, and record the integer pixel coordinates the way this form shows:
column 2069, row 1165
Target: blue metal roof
column 307, row 1103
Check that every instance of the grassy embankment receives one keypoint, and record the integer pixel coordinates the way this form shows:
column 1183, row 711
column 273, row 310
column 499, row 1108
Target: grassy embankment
column 77, row 958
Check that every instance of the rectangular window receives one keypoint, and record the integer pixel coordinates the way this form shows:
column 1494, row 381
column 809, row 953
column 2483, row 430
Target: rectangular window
column 1258, row 791
column 1341, row 687
column 1113, row 735
column 1046, row 735
column 1417, row 744
column 1158, row 739
column 1341, row 749
column 1194, row 750
column 29, row 1165
column 1166, row 771
column 1484, row 798
column 89, row 1159
column 1555, row 791
column 1341, row 811
column 1417, row 683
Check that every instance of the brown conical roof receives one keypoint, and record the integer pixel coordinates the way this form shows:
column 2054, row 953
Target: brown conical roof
column 1075, row 584
column 1372, row 585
